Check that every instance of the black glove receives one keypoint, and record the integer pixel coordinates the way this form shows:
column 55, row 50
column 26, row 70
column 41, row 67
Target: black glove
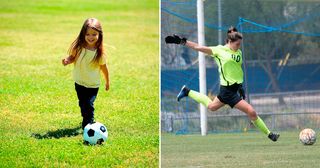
column 242, row 92
column 175, row 39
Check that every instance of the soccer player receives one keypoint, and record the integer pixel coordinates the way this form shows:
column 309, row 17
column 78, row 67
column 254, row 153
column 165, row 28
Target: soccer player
column 229, row 60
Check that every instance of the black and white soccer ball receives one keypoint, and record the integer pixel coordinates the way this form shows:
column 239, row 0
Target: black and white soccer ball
column 307, row 136
column 95, row 133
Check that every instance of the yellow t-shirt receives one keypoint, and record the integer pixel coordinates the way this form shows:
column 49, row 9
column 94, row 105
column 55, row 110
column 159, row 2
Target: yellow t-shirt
column 85, row 72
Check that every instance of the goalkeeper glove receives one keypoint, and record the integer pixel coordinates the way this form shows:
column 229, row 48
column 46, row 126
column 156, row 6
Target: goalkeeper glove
column 175, row 39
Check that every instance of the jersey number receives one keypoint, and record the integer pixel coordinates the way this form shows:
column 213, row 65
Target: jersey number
column 236, row 57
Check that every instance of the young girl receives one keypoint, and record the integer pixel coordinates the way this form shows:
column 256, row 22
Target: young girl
column 229, row 60
column 87, row 54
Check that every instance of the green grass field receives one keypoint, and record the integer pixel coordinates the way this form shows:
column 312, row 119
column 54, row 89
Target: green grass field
column 37, row 95
column 237, row 150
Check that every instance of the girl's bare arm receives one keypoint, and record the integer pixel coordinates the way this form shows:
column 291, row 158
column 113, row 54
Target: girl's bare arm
column 105, row 72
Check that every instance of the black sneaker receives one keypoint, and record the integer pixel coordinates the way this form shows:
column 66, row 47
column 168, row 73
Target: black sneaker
column 183, row 92
column 86, row 122
column 83, row 124
column 273, row 136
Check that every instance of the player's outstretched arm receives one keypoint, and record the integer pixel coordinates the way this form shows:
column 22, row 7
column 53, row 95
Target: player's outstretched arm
column 197, row 47
column 175, row 39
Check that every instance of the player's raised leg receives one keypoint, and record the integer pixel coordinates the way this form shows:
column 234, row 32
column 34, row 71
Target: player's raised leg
column 200, row 98
column 256, row 120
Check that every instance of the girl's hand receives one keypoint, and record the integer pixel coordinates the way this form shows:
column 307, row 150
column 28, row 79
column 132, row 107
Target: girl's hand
column 65, row 61
column 107, row 86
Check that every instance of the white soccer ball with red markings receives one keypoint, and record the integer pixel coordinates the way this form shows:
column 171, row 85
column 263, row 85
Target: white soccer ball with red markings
column 307, row 136
column 95, row 133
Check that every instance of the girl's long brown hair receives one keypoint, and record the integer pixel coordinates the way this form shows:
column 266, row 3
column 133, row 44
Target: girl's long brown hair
column 80, row 42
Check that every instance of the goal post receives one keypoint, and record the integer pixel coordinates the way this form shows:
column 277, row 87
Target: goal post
column 202, row 66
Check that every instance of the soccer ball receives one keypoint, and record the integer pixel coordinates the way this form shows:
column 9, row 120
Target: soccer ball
column 95, row 133
column 307, row 136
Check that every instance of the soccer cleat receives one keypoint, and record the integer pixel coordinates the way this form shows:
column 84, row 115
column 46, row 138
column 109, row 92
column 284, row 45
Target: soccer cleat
column 183, row 92
column 273, row 136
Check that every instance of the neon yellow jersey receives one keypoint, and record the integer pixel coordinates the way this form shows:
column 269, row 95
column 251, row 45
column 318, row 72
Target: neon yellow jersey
column 229, row 63
column 86, row 73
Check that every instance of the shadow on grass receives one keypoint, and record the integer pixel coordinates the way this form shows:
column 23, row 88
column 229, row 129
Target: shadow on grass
column 59, row 133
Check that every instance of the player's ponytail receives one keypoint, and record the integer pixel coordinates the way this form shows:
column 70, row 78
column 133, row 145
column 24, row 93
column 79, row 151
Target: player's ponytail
column 233, row 35
column 232, row 29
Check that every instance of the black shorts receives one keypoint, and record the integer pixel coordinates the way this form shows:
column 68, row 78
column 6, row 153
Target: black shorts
column 229, row 94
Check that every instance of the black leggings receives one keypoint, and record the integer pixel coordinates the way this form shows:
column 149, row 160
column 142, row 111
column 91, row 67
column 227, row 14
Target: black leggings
column 86, row 97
